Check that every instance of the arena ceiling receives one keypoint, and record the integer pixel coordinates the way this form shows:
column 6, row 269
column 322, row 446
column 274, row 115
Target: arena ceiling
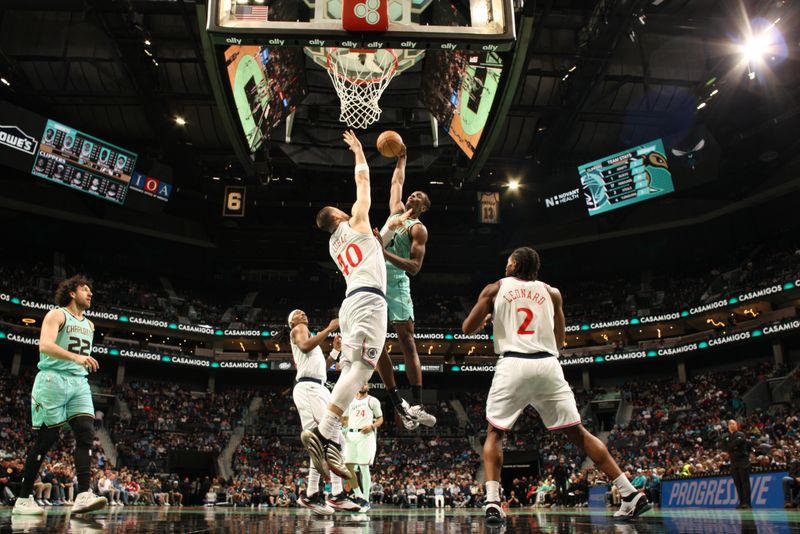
column 598, row 76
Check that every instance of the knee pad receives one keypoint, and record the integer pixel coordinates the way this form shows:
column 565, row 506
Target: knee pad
column 83, row 428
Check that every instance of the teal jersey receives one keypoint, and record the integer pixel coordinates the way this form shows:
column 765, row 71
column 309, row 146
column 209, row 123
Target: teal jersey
column 75, row 336
column 400, row 245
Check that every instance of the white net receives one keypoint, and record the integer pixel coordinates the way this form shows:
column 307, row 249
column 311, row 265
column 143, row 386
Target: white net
column 360, row 78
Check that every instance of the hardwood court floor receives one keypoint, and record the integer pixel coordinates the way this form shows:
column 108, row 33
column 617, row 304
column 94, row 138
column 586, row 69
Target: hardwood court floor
column 394, row 521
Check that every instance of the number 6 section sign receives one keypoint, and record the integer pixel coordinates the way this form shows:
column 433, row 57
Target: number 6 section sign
column 233, row 205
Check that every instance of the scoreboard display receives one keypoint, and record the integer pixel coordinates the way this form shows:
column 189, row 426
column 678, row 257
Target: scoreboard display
column 81, row 161
column 625, row 178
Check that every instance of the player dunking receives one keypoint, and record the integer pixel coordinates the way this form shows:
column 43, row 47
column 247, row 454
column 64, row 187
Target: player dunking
column 311, row 398
column 61, row 393
column 529, row 328
column 364, row 418
column 362, row 316
column 404, row 238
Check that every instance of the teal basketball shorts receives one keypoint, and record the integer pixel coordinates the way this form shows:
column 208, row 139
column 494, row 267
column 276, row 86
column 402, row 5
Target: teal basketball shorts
column 58, row 397
column 398, row 297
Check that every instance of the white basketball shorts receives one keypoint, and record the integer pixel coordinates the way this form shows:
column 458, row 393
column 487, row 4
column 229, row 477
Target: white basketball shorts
column 363, row 320
column 311, row 400
column 519, row 382
column 361, row 448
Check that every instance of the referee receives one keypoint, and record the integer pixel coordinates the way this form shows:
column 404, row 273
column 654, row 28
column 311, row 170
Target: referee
column 738, row 449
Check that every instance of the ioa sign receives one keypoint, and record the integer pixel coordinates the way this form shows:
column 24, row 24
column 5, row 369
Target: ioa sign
column 150, row 186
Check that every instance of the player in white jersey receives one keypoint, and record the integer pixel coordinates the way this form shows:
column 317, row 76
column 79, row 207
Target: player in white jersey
column 529, row 328
column 311, row 399
column 363, row 419
column 362, row 316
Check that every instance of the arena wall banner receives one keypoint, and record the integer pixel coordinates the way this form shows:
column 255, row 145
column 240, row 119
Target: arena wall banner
column 597, row 497
column 273, row 331
column 719, row 492
column 776, row 328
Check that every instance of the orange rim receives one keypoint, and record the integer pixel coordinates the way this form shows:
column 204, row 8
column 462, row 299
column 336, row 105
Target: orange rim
column 366, row 51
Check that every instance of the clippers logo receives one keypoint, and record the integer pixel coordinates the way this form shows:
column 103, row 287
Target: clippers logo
column 13, row 137
column 365, row 15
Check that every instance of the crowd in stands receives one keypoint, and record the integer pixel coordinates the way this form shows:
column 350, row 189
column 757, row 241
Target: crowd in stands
column 160, row 417
column 674, row 431
column 587, row 299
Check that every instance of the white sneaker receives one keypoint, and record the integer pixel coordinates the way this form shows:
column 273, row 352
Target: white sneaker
column 633, row 506
column 87, row 501
column 27, row 506
column 494, row 513
column 120, row 503
column 422, row 417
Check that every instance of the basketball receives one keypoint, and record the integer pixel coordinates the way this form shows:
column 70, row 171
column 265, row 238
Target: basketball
column 390, row 144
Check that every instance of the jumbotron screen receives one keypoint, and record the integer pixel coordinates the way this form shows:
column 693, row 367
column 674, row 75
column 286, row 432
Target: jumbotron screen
column 458, row 88
column 267, row 84
column 83, row 162
column 625, row 178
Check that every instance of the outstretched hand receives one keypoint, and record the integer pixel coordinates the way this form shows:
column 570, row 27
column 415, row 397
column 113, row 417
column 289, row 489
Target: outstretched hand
column 398, row 222
column 352, row 141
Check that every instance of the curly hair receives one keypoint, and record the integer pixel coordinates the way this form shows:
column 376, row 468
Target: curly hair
column 69, row 285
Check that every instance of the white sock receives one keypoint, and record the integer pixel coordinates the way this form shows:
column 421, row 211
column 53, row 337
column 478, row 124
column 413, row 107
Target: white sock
column 336, row 485
column 357, row 489
column 329, row 426
column 624, row 485
column 493, row 490
column 313, row 481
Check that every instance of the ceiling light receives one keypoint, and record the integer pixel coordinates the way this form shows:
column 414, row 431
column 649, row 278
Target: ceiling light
column 715, row 91
column 28, row 320
column 147, row 42
column 5, row 82
column 751, row 75
column 513, row 185
column 148, row 52
column 572, row 68
column 180, row 121
column 701, row 105
column 755, row 47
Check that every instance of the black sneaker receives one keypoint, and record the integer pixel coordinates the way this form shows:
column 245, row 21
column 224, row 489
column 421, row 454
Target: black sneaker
column 342, row 501
column 495, row 515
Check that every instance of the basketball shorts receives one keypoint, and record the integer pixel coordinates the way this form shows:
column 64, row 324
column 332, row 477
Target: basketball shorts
column 362, row 319
column 398, row 298
column 360, row 448
column 311, row 401
column 519, row 382
column 58, row 397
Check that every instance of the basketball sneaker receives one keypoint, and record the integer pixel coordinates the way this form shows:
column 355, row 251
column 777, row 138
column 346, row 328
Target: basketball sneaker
column 632, row 506
column 413, row 416
column 27, row 506
column 363, row 503
column 87, row 501
column 495, row 515
column 313, row 442
column 316, row 503
column 342, row 501
column 325, row 454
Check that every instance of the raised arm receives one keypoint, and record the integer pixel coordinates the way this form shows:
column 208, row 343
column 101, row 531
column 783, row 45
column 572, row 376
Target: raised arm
column 480, row 312
column 360, row 213
column 559, row 326
column 396, row 191
column 303, row 339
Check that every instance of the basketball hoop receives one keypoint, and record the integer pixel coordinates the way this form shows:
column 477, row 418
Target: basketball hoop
column 360, row 77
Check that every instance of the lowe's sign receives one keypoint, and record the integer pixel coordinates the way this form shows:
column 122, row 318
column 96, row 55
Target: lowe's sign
column 766, row 491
